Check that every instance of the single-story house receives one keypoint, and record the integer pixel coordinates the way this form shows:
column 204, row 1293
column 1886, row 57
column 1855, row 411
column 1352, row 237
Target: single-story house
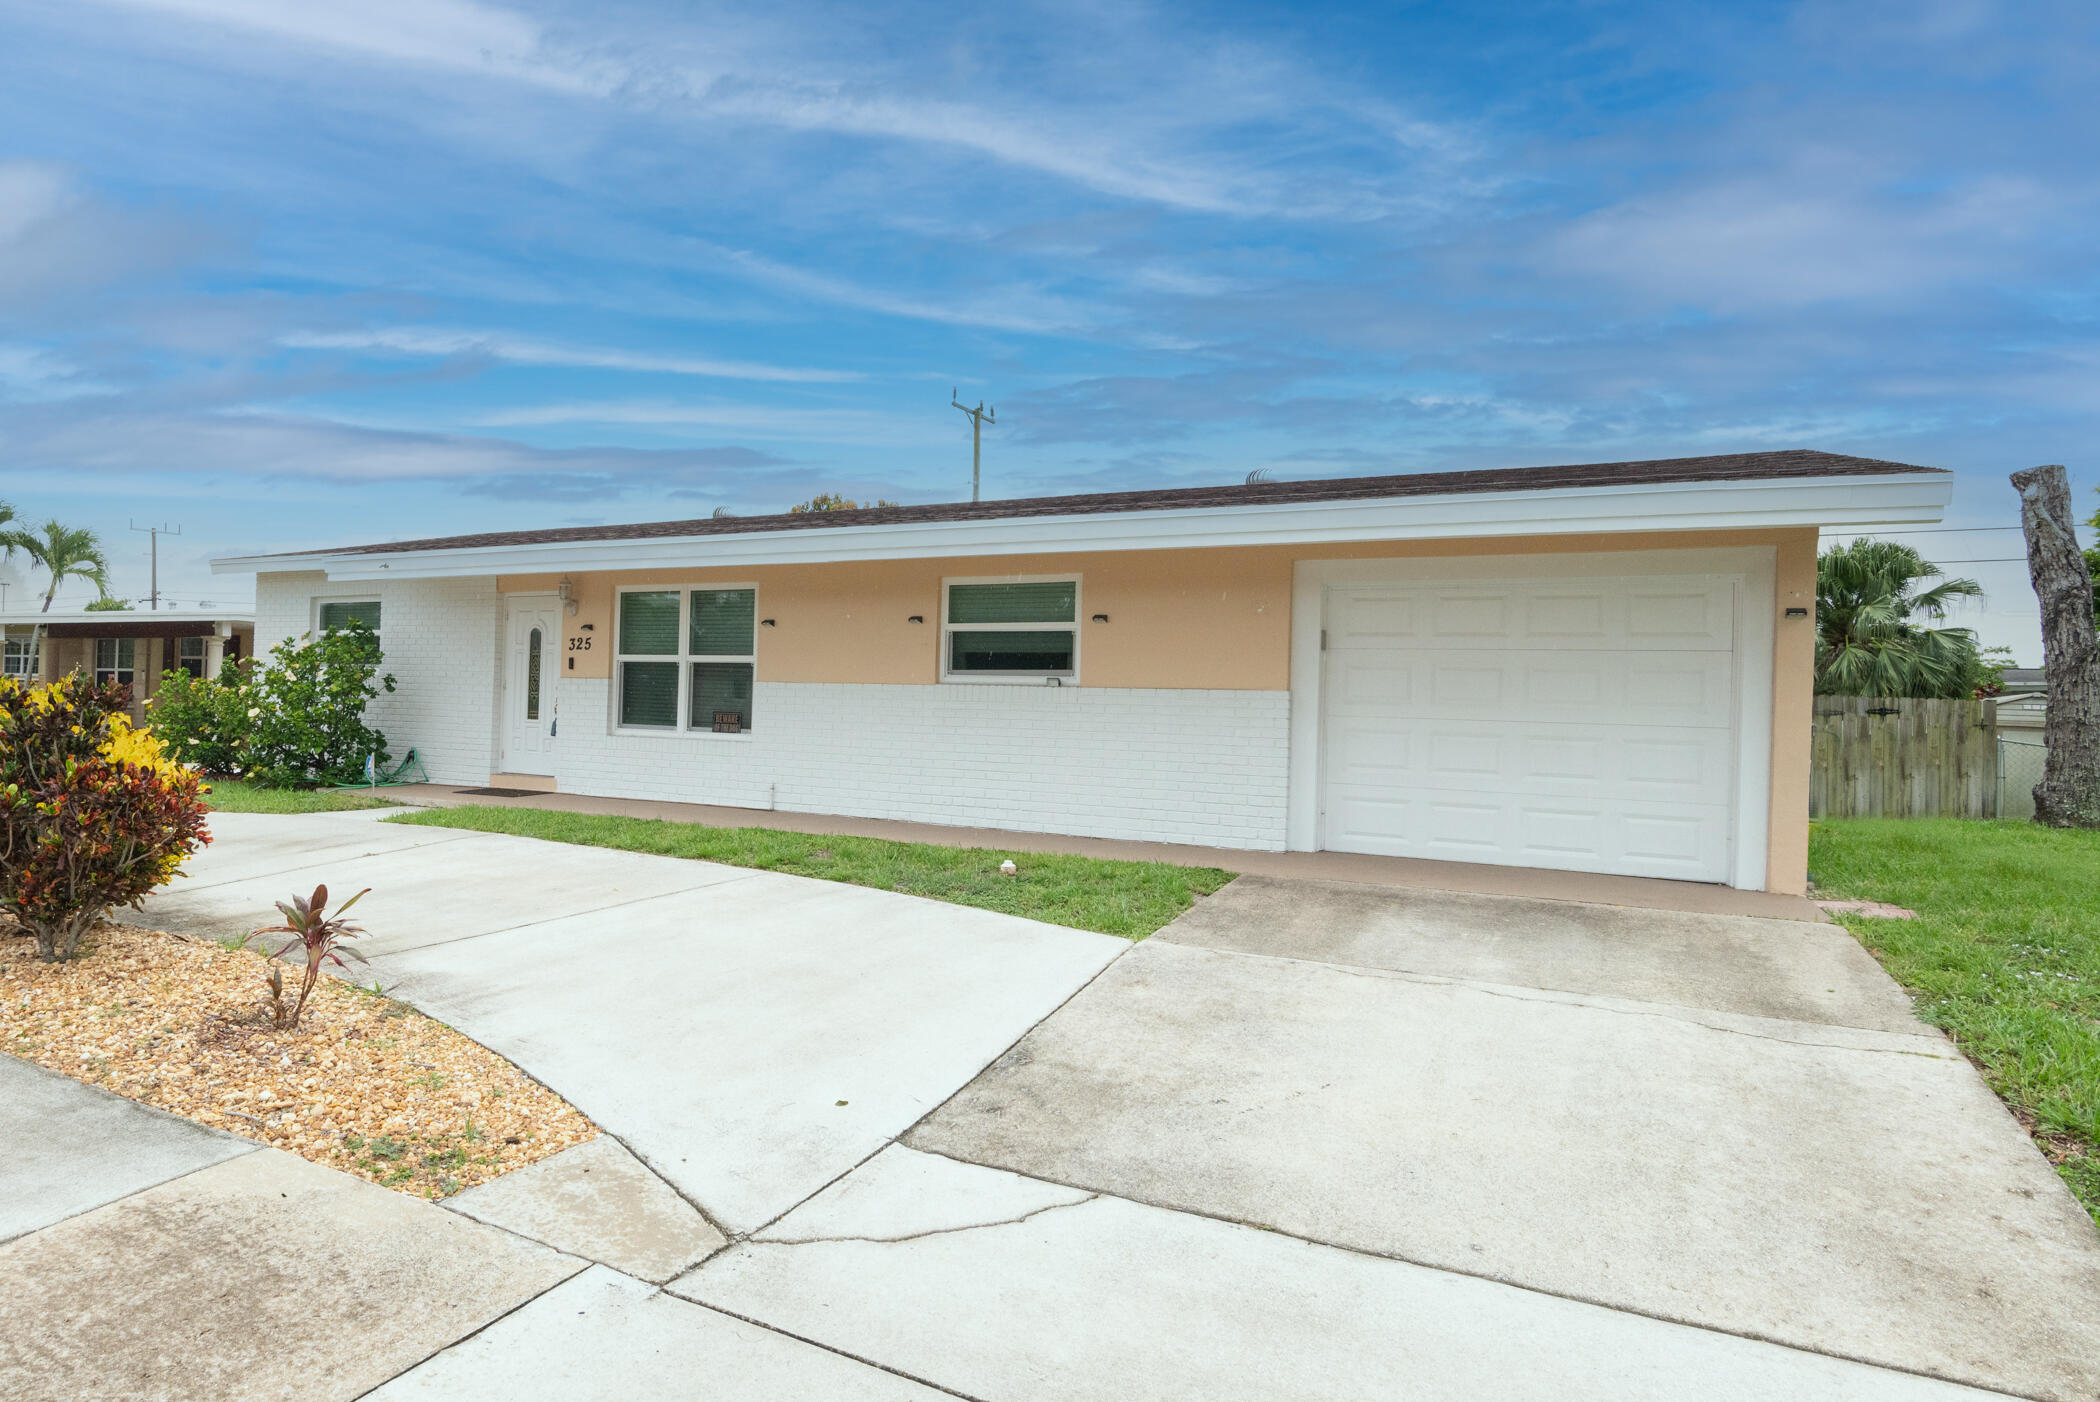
column 1601, row 668
column 132, row 646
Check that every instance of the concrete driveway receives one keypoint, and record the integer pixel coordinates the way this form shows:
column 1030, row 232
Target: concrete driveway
column 1312, row 1141
column 749, row 1036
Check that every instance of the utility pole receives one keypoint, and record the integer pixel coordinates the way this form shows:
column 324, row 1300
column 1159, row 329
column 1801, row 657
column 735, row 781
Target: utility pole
column 155, row 533
column 979, row 417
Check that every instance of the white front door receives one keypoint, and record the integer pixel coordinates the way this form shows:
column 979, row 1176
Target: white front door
column 1585, row 724
column 531, row 657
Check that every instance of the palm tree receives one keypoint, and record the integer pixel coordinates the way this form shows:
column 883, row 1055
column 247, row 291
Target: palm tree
column 7, row 531
column 65, row 552
column 1869, row 640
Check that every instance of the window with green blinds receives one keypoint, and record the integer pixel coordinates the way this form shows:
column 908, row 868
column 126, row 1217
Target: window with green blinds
column 338, row 612
column 1033, row 651
column 1021, row 630
column 649, row 694
column 649, row 623
column 687, row 657
column 721, row 690
column 1052, row 601
column 722, row 620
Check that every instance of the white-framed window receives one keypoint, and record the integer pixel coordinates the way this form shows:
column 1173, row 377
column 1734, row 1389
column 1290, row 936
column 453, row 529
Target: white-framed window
column 189, row 656
column 18, row 657
column 1015, row 630
column 685, row 659
column 114, row 659
column 334, row 613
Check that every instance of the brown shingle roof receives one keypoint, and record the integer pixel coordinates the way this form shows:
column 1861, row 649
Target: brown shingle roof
column 1725, row 467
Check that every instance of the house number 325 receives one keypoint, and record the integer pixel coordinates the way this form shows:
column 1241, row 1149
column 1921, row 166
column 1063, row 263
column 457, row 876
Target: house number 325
column 579, row 644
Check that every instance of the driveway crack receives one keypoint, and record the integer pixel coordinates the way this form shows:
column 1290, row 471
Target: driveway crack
column 930, row 1231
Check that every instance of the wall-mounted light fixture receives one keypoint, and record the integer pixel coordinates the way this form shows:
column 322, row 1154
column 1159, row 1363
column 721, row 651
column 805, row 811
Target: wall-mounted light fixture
column 566, row 591
column 916, row 618
column 1797, row 613
column 767, row 622
column 588, row 627
column 1100, row 618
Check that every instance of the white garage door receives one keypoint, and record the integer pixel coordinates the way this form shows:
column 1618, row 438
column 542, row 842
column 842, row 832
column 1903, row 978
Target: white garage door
column 1583, row 724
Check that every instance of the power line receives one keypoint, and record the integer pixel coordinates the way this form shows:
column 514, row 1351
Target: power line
column 156, row 532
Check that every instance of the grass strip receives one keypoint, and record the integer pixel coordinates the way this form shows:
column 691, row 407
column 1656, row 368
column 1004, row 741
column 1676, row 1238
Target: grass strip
column 242, row 796
column 1131, row 899
column 2004, row 955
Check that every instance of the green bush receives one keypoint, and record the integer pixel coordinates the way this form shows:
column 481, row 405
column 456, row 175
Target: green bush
column 93, row 814
column 204, row 721
column 309, row 708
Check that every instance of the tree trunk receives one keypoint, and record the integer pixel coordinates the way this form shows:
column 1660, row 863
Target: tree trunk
column 2069, row 794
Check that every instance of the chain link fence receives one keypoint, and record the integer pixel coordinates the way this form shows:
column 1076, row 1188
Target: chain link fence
column 2019, row 770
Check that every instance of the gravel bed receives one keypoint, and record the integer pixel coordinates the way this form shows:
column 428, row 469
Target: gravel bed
column 366, row 1084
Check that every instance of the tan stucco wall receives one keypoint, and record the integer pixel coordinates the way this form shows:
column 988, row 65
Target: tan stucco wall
column 1793, row 712
column 1176, row 619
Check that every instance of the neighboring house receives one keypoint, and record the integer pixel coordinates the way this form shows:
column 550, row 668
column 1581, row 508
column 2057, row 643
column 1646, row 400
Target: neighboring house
column 2022, row 715
column 132, row 646
column 2023, row 706
column 1603, row 668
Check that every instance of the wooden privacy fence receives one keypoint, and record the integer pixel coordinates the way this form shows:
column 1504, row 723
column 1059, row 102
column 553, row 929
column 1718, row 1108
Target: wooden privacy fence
column 1903, row 758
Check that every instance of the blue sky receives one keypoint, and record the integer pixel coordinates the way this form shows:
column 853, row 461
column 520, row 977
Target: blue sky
column 295, row 275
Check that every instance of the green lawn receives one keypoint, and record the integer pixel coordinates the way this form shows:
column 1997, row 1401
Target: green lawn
column 240, row 796
column 2004, row 954
column 1131, row 899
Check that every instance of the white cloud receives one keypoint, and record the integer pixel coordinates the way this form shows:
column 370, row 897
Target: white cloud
column 1075, row 152
column 31, row 374
column 1799, row 237
column 30, row 194
column 1208, row 128
column 857, row 426
column 1004, row 309
column 525, row 350
column 458, row 34
column 199, row 447
column 56, row 238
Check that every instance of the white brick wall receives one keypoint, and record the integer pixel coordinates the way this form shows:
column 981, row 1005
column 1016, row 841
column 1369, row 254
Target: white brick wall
column 1205, row 767
column 440, row 637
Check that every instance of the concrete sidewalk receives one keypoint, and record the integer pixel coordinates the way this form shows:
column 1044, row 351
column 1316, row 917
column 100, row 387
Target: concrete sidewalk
column 157, row 1259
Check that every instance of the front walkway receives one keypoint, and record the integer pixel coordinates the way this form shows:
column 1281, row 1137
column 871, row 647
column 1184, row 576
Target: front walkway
column 1407, row 872
column 1315, row 1141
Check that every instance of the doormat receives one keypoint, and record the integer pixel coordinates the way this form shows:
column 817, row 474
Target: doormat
column 502, row 793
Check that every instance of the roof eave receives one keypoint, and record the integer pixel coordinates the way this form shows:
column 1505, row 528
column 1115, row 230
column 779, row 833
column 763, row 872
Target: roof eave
column 1839, row 501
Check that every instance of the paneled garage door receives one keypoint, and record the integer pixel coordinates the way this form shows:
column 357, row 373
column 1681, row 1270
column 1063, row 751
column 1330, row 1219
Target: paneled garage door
column 1583, row 724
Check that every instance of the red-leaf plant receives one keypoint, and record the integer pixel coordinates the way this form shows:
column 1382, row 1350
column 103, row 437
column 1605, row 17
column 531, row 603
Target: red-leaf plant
column 307, row 921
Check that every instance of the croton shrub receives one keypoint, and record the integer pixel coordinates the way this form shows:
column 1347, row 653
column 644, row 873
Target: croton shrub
column 93, row 813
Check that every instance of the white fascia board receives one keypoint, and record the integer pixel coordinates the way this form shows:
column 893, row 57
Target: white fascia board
column 1830, row 502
